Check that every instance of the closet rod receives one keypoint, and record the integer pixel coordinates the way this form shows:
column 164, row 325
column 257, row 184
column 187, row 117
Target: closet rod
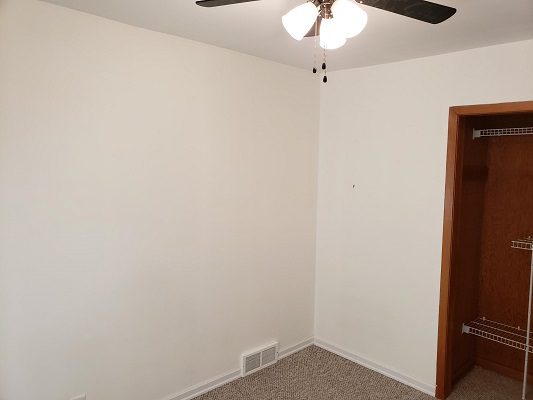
column 479, row 133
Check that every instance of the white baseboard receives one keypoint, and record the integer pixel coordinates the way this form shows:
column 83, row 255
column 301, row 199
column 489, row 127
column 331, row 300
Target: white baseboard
column 421, row 386
column 211, row 384
column 207, row 386
column 204, row 387
column 294, row 349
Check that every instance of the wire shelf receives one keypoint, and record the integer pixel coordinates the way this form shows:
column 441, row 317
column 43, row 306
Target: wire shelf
column 498, row 332
column 523, row 244
column 479, row 133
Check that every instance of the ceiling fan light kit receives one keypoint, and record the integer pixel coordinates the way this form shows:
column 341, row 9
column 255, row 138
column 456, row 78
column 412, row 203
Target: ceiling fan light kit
column 335, row 21
column 340, row 20
column 300, row 20
column 350, row 18
column 331, row 36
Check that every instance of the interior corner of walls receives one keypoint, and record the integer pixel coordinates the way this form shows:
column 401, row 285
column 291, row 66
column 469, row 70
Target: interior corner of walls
column 393, row 374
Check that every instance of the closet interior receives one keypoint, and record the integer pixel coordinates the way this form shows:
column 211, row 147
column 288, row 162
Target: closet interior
column 492, row 262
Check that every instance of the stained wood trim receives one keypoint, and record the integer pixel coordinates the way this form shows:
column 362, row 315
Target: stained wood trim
column 453, row 186
column 443, row 361
column 494, row 109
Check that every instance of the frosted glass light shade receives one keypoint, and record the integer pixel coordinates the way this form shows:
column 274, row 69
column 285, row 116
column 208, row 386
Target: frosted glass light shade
column 349, row 17
column 300, row 20
column 331, row 37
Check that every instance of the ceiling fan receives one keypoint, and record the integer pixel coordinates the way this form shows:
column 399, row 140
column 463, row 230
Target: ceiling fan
column 334, row 21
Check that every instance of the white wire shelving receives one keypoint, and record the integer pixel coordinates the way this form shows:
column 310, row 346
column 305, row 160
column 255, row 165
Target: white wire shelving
column 508, row 335
column 498, row 332
column 523, row 244
column 480, row 133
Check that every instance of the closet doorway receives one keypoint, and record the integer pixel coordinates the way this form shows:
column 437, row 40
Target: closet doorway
column 488, row 210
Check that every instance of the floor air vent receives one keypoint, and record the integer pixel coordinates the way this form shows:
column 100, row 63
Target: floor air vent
column 259, row 359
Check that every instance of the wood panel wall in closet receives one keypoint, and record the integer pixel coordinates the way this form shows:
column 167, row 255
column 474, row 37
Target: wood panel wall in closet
column 507, row 216
column 496, row 207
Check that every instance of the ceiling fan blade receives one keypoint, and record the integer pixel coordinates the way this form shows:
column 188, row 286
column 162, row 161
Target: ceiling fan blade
column 218, row 3
column 418, row 9
column 315, row 29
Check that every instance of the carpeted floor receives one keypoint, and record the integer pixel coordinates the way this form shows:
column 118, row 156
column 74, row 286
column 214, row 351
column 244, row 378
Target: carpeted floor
column 316, row 374
column 481, row 384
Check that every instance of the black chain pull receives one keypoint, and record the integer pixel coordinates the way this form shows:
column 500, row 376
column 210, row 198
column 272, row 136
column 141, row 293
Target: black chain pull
column 314, row 52
column 325, row 68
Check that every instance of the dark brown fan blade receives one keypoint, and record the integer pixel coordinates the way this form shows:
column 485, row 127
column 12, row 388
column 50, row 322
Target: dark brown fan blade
column 218, row 3
column 417, row 9
column 315, row 29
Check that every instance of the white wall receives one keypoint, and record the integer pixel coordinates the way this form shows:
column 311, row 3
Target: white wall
column 384, row 130
column 151, row 189
column 157, row 207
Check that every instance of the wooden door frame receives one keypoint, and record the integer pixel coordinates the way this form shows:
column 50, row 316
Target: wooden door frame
column 451, row 199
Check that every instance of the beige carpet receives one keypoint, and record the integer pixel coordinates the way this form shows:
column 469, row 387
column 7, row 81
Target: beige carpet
column 481, row 384
column 316, row 374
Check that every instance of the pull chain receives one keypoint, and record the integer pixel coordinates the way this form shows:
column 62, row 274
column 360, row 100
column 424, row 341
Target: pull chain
column 325, row 67
column 314, row 52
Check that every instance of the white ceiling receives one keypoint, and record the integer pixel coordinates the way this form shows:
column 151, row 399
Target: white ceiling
column 255, row 28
